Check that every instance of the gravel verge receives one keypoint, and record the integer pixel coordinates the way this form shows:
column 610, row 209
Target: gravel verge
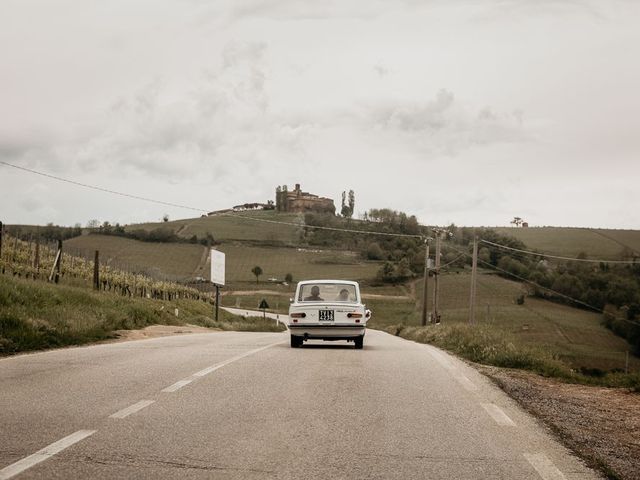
column 602, row 425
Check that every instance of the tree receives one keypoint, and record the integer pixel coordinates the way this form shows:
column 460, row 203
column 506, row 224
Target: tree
column 93, row 223
column 374, row 252
column 257, row 271
column 165, row 217
column 352, row 202
column 288, row 278
column 517, row 221
column 348, row 205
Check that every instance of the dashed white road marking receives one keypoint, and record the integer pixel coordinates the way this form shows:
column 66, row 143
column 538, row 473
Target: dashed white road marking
column 44, row 454
column 125, row 412
column 215, row 367
column 498, row 415
column 178, row 385
column 545, row 467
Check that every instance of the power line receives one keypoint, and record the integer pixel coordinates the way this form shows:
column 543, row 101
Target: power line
column 562, row 295
column 528, row 252
column 567, row 297
column 169, row 204
column 93, row 187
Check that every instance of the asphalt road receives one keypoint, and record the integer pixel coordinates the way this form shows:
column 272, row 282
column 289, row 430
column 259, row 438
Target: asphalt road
column 245, row 406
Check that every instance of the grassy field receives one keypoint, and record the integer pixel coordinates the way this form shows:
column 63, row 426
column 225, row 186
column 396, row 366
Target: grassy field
column 576, row 336
column 36, row 315
column 238, row 227
column 181, row 260
column 596, row 243
column 173, row 260
column 302, row 263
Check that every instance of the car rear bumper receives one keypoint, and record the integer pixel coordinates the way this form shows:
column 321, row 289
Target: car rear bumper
column 333, row 332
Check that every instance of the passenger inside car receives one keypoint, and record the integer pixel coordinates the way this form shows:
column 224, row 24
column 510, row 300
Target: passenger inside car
column 344, row 295
column 315, row 295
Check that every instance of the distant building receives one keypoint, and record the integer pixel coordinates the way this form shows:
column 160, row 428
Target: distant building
column 298, row 201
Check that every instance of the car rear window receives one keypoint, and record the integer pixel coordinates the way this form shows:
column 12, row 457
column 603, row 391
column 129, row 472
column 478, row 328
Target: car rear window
column 327, row 292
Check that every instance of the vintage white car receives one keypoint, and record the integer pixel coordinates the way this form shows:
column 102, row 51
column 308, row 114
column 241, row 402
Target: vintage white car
column 327, row 310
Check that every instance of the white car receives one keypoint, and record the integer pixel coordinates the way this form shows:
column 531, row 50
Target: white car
column 327, row 310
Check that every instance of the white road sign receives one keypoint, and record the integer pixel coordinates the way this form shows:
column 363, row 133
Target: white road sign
column 217, row 267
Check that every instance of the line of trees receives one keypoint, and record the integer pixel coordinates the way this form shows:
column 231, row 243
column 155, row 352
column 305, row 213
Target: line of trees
column 159, row 235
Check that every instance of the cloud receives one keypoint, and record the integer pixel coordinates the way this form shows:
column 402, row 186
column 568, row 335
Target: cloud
column 445, row 125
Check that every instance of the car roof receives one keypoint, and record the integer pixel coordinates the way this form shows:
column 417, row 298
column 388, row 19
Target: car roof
column 304, row 282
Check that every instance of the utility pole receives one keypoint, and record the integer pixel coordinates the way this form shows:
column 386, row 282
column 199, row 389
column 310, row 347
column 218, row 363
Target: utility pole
column 474, row 273
column 426, row 282
column 436, row 286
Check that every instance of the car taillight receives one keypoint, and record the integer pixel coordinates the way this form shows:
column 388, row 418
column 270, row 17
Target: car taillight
column 298, row 315
column 354, row 315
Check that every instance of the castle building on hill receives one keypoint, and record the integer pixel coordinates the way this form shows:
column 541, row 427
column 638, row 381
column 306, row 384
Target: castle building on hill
column 298, row 201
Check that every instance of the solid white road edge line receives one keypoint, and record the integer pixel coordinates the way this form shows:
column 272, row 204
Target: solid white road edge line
column 177, row 386
column 465, row 382
column 44, row 454
column 545, row 467
column 125, row 412
column 215, row 367
column 498, row 415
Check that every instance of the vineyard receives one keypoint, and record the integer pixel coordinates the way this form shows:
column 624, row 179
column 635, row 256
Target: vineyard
column 31, row 260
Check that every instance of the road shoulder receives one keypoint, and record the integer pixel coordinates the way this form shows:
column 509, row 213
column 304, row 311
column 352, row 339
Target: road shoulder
column 601, row 425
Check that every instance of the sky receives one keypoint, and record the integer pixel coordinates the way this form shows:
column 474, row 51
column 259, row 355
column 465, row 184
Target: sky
column 466, row 111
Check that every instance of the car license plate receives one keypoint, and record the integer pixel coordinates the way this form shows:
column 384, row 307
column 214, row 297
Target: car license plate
column 325, row 315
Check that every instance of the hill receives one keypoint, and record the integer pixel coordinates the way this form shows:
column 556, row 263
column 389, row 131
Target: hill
column 607, row 244
column 237, row 226
column 159, row 260
column 186, row 261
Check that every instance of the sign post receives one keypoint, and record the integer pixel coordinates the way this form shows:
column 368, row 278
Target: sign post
column 217, row 274
column 263, row 306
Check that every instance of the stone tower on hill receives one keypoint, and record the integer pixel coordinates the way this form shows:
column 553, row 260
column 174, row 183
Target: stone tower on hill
column 298, row 201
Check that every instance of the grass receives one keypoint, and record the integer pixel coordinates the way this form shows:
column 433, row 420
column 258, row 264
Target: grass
column 596, row 243
column 225, row 228
column 181, row 261
column 171, row 260
column 35, row 315
column 574, row 336
column 490, row 346
column 302, row 263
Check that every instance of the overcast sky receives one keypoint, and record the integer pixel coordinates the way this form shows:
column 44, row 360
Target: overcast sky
column 470, row 112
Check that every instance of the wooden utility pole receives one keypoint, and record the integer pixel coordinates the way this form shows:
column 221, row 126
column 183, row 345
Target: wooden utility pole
column 436, row 287
column 474, row 273
column 426, row 282
column 96, row 271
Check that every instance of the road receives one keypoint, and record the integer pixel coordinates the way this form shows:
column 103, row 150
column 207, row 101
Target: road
column 234, row 405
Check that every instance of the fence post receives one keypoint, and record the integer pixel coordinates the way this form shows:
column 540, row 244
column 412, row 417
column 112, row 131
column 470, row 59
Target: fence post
column 36, row 257
column 96, row 271
column 55, row 269
column 59, row 261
